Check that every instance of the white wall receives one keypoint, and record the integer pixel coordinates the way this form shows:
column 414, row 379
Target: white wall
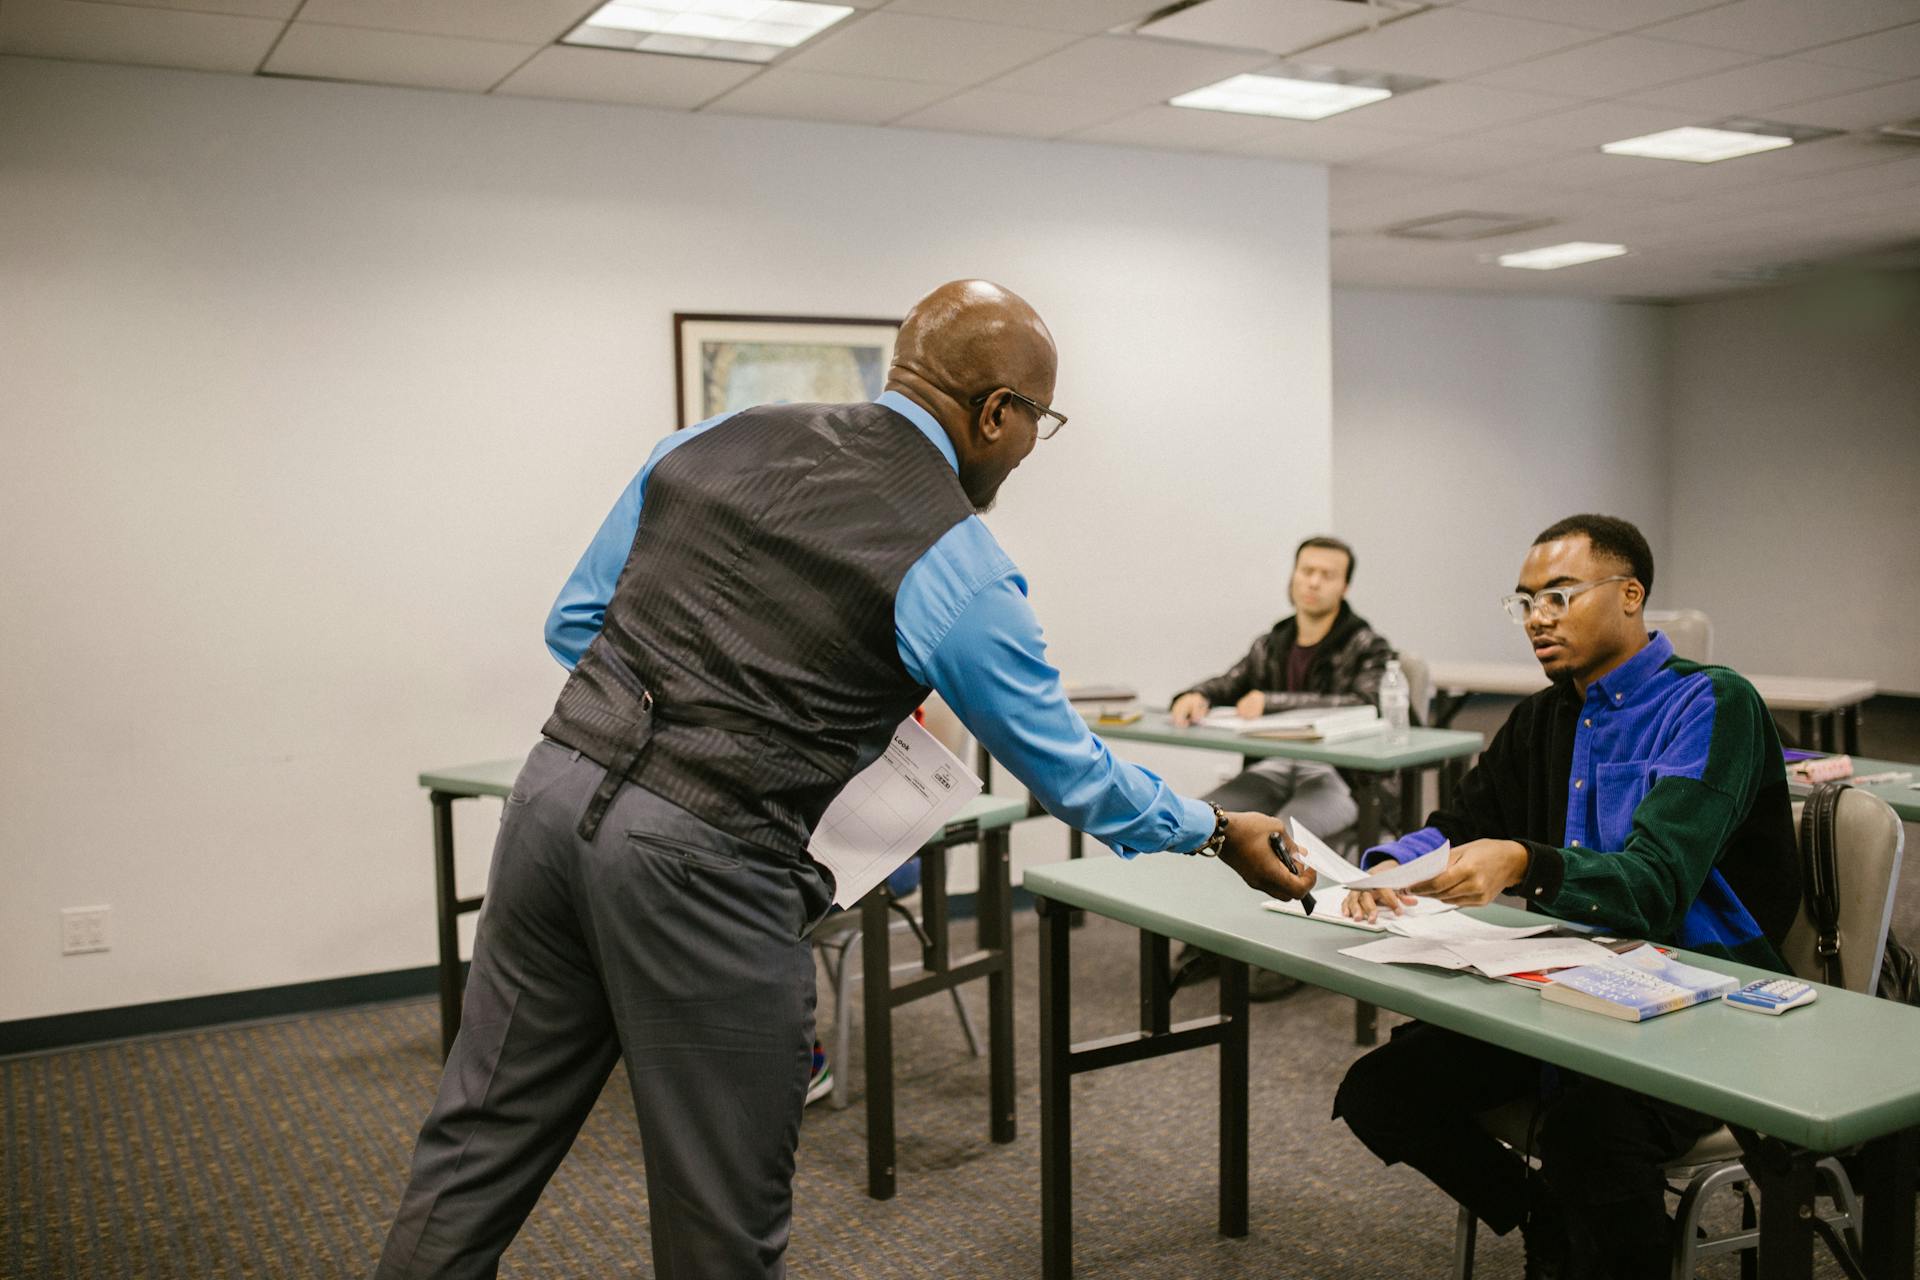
column 1465, row 424
column 1796, row 476
column 311, row 395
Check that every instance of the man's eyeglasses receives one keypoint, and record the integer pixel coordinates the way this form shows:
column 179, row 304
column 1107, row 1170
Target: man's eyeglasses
column 1553, row 602
column 1047, row 421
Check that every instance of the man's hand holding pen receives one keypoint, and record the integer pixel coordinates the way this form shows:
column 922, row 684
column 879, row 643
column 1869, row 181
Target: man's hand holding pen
column 1250, row 851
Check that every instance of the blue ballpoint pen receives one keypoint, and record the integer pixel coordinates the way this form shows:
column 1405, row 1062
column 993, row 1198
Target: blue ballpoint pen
column 1278, row 843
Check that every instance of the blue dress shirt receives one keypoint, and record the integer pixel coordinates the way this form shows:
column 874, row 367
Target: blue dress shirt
column 964, row 628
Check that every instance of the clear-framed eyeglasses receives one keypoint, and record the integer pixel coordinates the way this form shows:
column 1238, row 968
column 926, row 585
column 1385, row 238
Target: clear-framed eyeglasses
column 1046, row 421
column 1552, row 602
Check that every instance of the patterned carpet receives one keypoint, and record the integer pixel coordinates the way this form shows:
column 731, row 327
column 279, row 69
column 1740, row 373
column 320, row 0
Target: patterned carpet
column 277, row 1150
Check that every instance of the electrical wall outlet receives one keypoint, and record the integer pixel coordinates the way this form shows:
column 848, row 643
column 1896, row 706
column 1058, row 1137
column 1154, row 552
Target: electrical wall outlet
column 83, row 929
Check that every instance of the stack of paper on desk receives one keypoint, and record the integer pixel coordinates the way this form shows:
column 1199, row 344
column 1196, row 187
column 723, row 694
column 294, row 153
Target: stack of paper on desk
column 1494, row 950
column 1304, row 724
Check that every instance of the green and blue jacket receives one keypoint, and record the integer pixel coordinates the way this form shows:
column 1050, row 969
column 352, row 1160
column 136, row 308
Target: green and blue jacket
column 1656, row 805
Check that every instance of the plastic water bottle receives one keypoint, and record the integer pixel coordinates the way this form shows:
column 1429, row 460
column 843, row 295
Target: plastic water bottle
column 1394, row 701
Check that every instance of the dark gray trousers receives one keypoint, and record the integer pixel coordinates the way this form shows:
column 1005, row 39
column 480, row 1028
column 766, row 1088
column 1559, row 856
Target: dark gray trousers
column 663, row 940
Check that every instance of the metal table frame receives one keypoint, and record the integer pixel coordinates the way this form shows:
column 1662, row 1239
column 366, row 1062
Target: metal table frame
column 992, row 960
column 1783, row 1171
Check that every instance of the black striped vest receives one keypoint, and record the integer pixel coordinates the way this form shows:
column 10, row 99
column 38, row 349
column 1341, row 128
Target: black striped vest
column 748, row 666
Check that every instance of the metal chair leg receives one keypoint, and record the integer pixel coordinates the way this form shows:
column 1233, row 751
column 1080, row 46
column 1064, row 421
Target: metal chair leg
column 843, row 1024
column 1465, row 1230
column 966, row 1021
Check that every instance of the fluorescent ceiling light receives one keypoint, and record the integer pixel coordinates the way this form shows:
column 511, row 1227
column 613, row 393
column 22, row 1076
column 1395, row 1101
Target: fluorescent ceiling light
column 738, row 30
column 1290, row 99
column 1699, row 145
column 1555, row 256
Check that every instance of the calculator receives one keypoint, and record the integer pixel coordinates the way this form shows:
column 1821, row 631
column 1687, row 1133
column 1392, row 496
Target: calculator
column 1773, row 995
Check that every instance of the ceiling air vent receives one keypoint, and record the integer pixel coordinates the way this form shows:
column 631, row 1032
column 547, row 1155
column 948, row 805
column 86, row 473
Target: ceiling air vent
column 1465, row 224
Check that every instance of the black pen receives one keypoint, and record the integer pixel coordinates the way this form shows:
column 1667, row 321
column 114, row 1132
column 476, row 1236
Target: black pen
column 1279, row 844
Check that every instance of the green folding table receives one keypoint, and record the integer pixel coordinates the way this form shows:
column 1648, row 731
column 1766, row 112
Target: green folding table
column 1837, row 1074
column 983, row 821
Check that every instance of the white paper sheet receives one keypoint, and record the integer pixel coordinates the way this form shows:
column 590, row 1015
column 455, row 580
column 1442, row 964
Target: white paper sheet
column 1526, row 955
column 1406, row 951
column 1321, row 857
column 1401, row 875
column 1453, row 926
column 889, row 809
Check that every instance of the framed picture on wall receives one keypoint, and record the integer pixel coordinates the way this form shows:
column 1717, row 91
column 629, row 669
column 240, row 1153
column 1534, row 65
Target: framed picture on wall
column 723, row 363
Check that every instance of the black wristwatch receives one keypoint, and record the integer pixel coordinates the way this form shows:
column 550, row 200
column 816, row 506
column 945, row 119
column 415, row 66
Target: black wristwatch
column 1216, row 841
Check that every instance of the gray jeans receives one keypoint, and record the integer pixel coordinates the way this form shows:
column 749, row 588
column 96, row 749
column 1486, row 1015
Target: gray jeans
column 1314, row 793
column 668, row 942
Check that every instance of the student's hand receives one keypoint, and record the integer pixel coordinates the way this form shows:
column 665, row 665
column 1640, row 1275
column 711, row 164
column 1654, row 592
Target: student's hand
column 1253, row 706
column 1477, row 873
column 1189, row 707
column 1365, row 904
column 1254, row 860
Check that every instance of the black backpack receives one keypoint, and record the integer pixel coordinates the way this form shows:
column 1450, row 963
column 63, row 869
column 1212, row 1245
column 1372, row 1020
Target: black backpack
column 1899, row 977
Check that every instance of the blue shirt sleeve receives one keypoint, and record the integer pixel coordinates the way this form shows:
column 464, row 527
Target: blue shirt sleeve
column 581, row 609
column 964, row 627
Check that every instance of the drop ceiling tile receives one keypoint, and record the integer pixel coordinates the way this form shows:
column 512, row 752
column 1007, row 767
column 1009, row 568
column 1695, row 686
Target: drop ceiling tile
column 1783, row 26
column 935, row 50
column 134, row 34
column 1177, row 129
column 1589, row 125
column 1278, row 26
column 1353, row 186
column 1450, row 43
column 641, row 79
column 1019, row 115
column 1475, row 157
column 1126, row 71
column 1321, row 141
column 1867, row 109
column 808, row 95
column 395, row 57
column 1613, row 67
column 1457, row 108
column 1590, row 170
column 524, row 21
column 1760, row 87
column 1608, row 15
column 1678, row 180
column 245, row 8
column 1896, row 52
column 1087, row 17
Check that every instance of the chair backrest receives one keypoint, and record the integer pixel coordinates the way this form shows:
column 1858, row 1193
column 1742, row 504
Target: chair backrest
column 1419, row 685
column 1688, row 630
column 1868, row 842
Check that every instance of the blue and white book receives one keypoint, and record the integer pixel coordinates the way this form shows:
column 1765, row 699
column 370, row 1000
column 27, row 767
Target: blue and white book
column 1643, row 983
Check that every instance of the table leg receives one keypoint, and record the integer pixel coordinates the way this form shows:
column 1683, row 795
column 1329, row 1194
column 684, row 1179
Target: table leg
column 1785, row 1178
column 1076, row 848
column 996, row 935
column 876, row 999
column 1366, row 1018
column 1886, row 1189
column 447, row 906
column 1234, row 1074
column 1056, row 1094
column 1850, row 729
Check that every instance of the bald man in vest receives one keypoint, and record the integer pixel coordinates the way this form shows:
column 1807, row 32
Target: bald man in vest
column 771, row 595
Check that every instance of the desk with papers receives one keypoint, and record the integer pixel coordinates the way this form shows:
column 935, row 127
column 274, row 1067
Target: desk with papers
column 1370, row 759
column 1802, row 1079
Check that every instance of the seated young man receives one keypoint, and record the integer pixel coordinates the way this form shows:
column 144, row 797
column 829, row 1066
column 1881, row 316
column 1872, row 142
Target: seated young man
column 1639, row 792
column 1325, row 655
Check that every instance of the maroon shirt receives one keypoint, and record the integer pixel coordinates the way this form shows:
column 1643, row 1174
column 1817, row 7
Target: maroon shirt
column 1299, row 658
